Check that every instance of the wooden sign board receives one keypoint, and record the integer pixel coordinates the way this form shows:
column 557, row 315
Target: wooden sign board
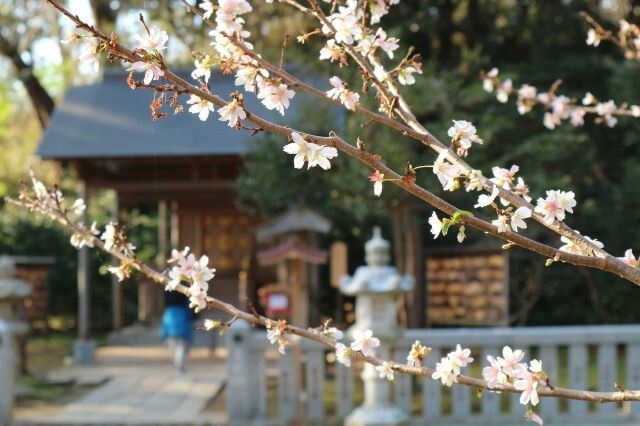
column 468, row 288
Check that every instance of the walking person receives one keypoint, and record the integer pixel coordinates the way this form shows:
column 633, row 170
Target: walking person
column 176, row 328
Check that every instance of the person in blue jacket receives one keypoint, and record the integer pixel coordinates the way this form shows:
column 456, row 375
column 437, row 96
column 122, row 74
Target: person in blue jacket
column 176, row 328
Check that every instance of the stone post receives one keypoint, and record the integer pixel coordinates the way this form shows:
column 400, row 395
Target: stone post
column 7, row 381
column 239, row 370
column 376, row 288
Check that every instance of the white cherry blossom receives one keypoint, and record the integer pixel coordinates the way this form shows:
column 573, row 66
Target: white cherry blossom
column 343, row 354
column 313, row 154
column 151, row 71
column 155, row 39
column 200, row 106
column 364, row 342
column 517, row 218
column 630, row 259
column 385, row 371
column 502, row 223
column 232, row 113
column 90, row 54
column 436, row 225
column 109, row 236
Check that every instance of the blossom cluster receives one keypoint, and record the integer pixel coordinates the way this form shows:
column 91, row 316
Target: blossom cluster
column 195, row 273
column 555, row 205
column 339, row 91
column 509, row 370
column 232, row 49
column 558, row 108
column 448, row 369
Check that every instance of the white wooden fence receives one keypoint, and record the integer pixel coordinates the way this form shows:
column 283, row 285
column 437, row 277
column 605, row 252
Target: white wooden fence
column 267, row 388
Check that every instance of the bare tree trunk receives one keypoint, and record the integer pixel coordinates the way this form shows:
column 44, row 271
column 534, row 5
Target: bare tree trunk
column 40, row 99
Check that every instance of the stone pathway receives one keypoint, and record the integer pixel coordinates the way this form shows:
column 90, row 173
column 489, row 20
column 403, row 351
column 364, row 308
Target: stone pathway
column 138, row 386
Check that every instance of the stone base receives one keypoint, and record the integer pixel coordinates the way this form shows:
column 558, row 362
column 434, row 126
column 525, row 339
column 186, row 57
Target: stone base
column 378, row 416
column 84, row 352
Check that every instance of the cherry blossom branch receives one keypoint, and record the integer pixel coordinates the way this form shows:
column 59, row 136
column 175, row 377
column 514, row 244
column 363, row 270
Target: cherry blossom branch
column 557, row 107
column 602, row 260
column 49, row 203
column 627, row 36
column 295, row 81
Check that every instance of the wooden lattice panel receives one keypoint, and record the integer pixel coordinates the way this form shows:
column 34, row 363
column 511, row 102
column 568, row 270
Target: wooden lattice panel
column 467, row 288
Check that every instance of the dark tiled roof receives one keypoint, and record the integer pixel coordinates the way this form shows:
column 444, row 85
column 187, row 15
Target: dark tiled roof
column 108, row 119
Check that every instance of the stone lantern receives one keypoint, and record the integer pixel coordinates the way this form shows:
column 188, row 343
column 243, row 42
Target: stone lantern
column 13, row 291
column 376, row 288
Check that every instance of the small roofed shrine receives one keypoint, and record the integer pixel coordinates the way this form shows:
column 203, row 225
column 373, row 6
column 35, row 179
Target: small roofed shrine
column 179, row 166
column 290, row 246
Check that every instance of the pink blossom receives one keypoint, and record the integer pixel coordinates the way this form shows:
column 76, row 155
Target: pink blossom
column 555, row 205
column 493, row 374
column 234, row 7
column 460, row 358
column 338, row 87
column 534, row 417
column 387, row 44
column 276, row 96
column 510, row 359
column 349, row 99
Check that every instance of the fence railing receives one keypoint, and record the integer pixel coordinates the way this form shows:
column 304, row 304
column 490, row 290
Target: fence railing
column 267, row 388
